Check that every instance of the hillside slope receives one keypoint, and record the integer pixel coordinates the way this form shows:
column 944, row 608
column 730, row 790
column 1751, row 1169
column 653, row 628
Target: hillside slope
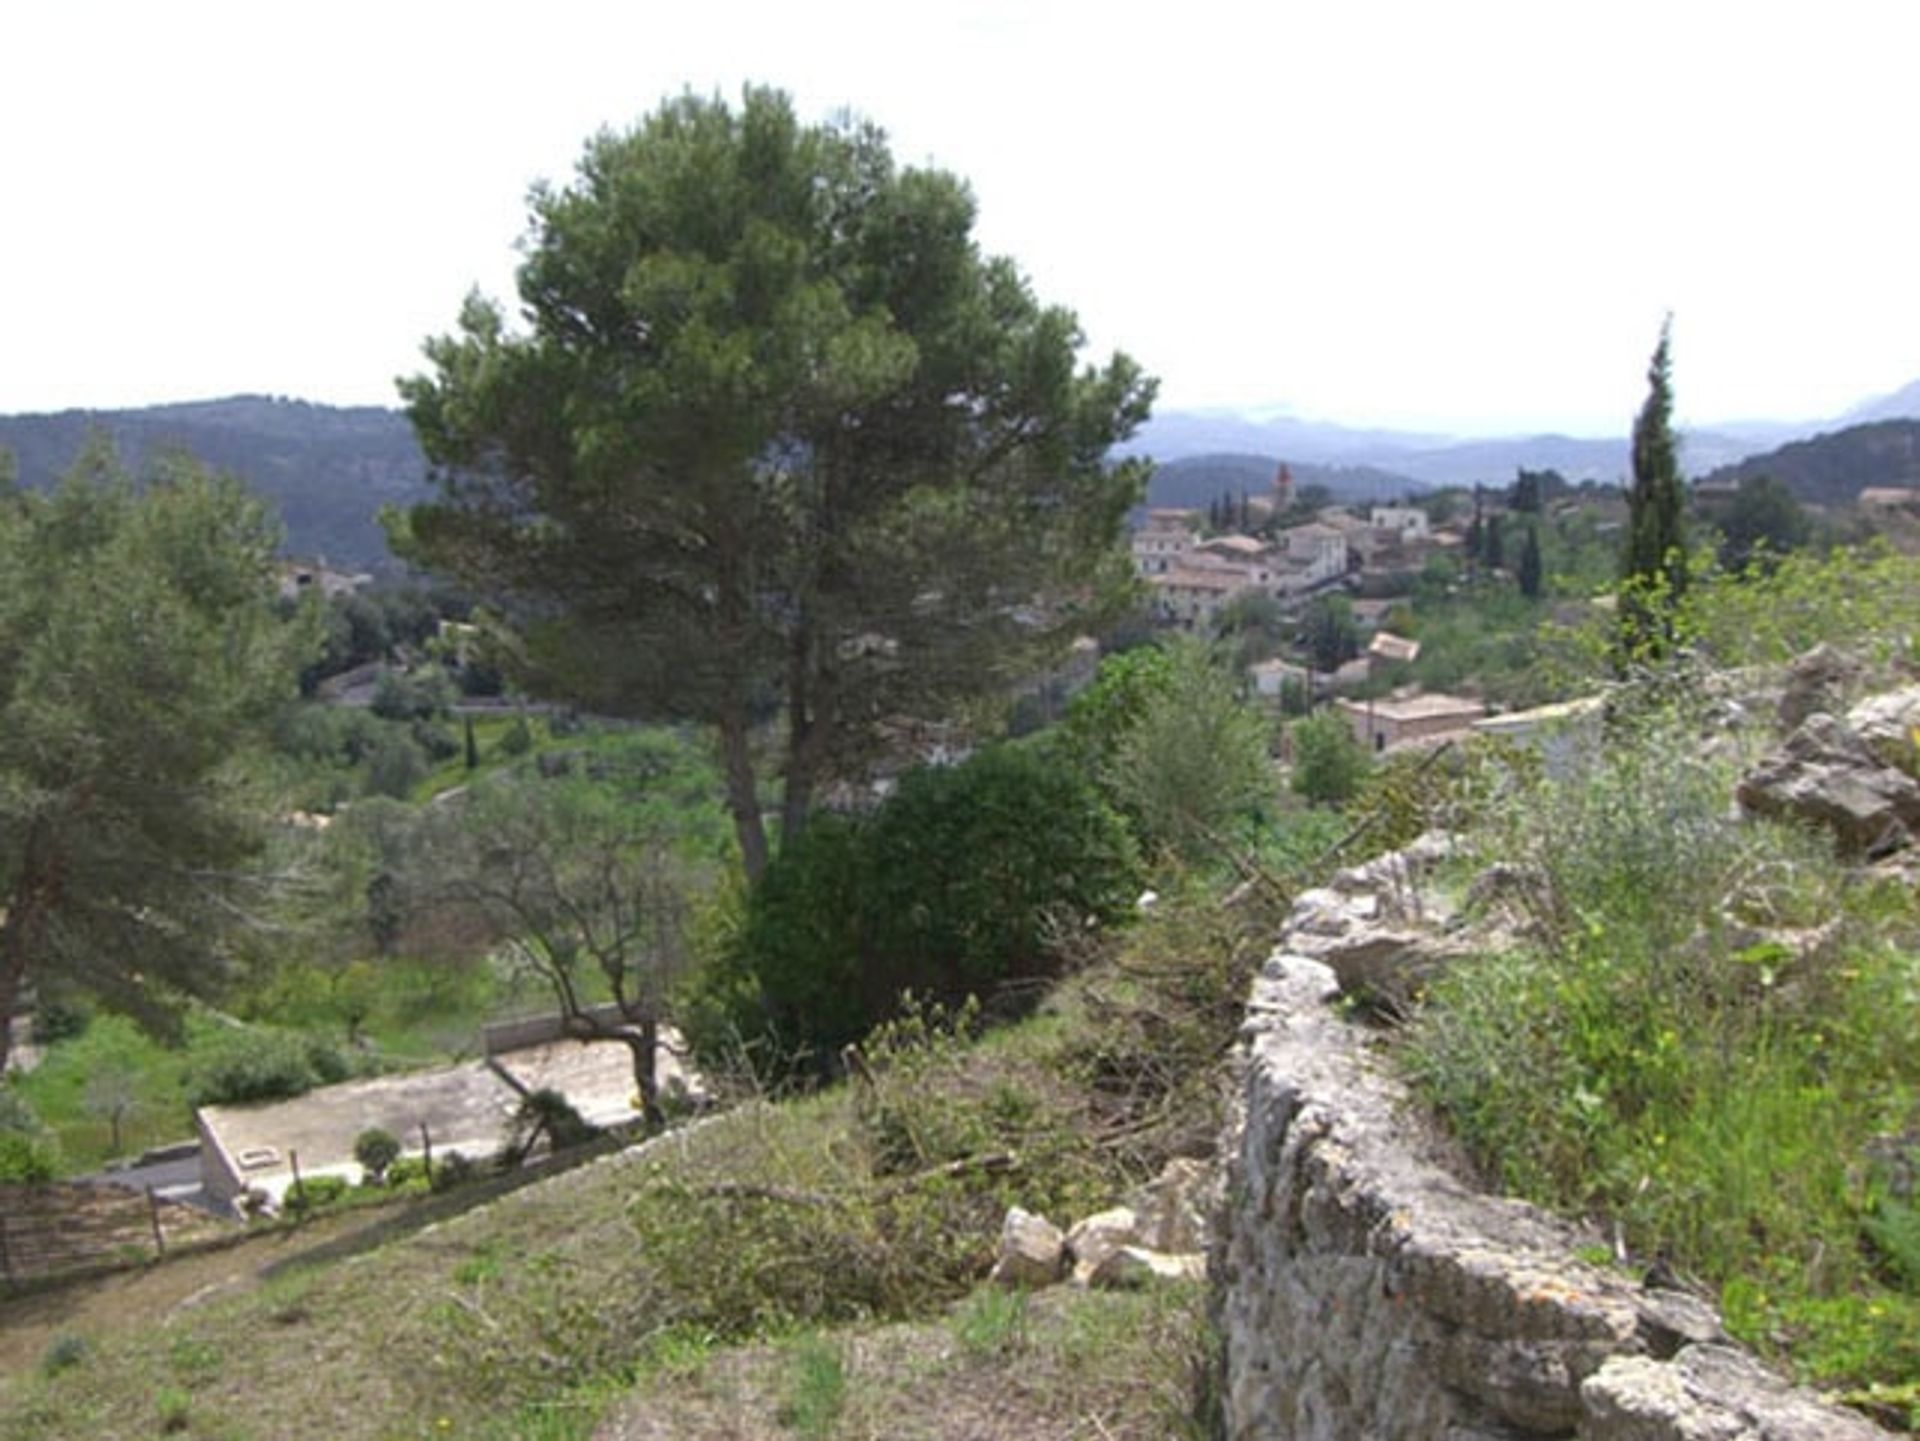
column 1833, row 469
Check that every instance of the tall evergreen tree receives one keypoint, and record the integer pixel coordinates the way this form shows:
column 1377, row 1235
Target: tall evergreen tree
column 1653, row 572
column 772, row 431
column 1494, row 543
column 1530, row 568
column 139, row 649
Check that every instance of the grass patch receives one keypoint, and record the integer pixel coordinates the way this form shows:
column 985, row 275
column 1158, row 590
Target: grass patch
column 816, row 1389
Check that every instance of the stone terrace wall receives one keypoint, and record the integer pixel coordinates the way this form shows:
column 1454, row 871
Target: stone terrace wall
column 1362, row 1291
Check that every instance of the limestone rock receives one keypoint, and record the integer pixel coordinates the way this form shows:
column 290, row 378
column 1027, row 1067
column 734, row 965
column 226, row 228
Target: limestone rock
column 1032, row 1251
column 1173, row 1207
column 1708, row 1393
column 1670, row 1320
column 1825, row 775
column 1890, row 725
column 1092, row 1241
column 1131, row 1266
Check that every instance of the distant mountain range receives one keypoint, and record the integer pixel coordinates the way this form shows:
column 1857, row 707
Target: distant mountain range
column 1196, row 481
column 329, row 470
column 1413, row 458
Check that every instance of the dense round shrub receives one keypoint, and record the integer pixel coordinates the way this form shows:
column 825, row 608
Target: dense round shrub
column 407, row 1171
column 456, row 1168
column 376, row 1150
column 25, row 1158
column 396, row 766
column 956, row 885
column 232, row 1065
column 56, row 1020
column 314, row 1193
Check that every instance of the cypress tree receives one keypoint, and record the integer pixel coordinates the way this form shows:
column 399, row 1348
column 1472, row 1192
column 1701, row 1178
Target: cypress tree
column 1530, row 571
column 1653, row 572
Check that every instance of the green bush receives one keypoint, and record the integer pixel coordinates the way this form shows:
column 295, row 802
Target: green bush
column 406, row 1171
column 1191, row 769
column 957, row 884
column 396, row 766
column 1328, row 763
column 421, row 696
column 517, row 740
column 27, row 1152
column 65, row 1352
column 27, row 1158
column 56, row 1020
column 233, row 1065
column 315, row 1193
column 456, row 1168
column 376, row 1150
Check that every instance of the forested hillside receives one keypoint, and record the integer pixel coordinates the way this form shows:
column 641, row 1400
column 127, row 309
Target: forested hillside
column 1833, row 469
column 326, row 470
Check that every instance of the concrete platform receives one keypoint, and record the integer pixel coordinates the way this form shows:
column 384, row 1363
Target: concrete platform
column 466, row 1108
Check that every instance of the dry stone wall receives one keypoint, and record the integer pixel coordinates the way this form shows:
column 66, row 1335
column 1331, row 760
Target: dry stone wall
column 1363, row 1291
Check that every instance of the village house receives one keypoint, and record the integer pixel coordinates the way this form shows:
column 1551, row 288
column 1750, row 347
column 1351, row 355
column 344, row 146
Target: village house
column 1381, row 725
column 1409, row 522
column 1386, row 650
column 1272, row 679
column 298, row 578
column 1888, row 497
column 1564, row 735
column 1316, row 554
column 1159, row 544
column 1191, row 596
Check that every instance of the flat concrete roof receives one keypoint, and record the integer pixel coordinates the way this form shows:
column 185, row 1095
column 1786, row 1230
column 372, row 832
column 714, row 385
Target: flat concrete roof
column 467, row 1108
column 1418, row 707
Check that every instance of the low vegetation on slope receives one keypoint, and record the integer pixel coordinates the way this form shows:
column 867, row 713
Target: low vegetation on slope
column 1706, row 1031
column 779, row 1226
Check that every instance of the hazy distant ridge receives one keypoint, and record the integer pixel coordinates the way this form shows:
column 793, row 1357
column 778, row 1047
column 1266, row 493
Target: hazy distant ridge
column 326, row 469
column 1443, row 460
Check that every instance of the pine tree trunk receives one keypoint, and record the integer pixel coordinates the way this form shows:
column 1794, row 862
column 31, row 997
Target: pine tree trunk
column 743, row 796
column 34, row 895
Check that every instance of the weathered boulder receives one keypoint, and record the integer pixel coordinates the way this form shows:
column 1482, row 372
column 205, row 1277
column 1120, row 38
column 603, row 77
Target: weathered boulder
column 1707, row 1393
column 1173, row 1207
column 1890, row 725
column 1092, row 1241
column 1815, row 682
column 1826, row 775
column 1033, row 1253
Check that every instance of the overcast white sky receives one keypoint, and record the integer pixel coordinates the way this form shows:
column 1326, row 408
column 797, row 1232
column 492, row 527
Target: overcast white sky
column 1449, row 214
